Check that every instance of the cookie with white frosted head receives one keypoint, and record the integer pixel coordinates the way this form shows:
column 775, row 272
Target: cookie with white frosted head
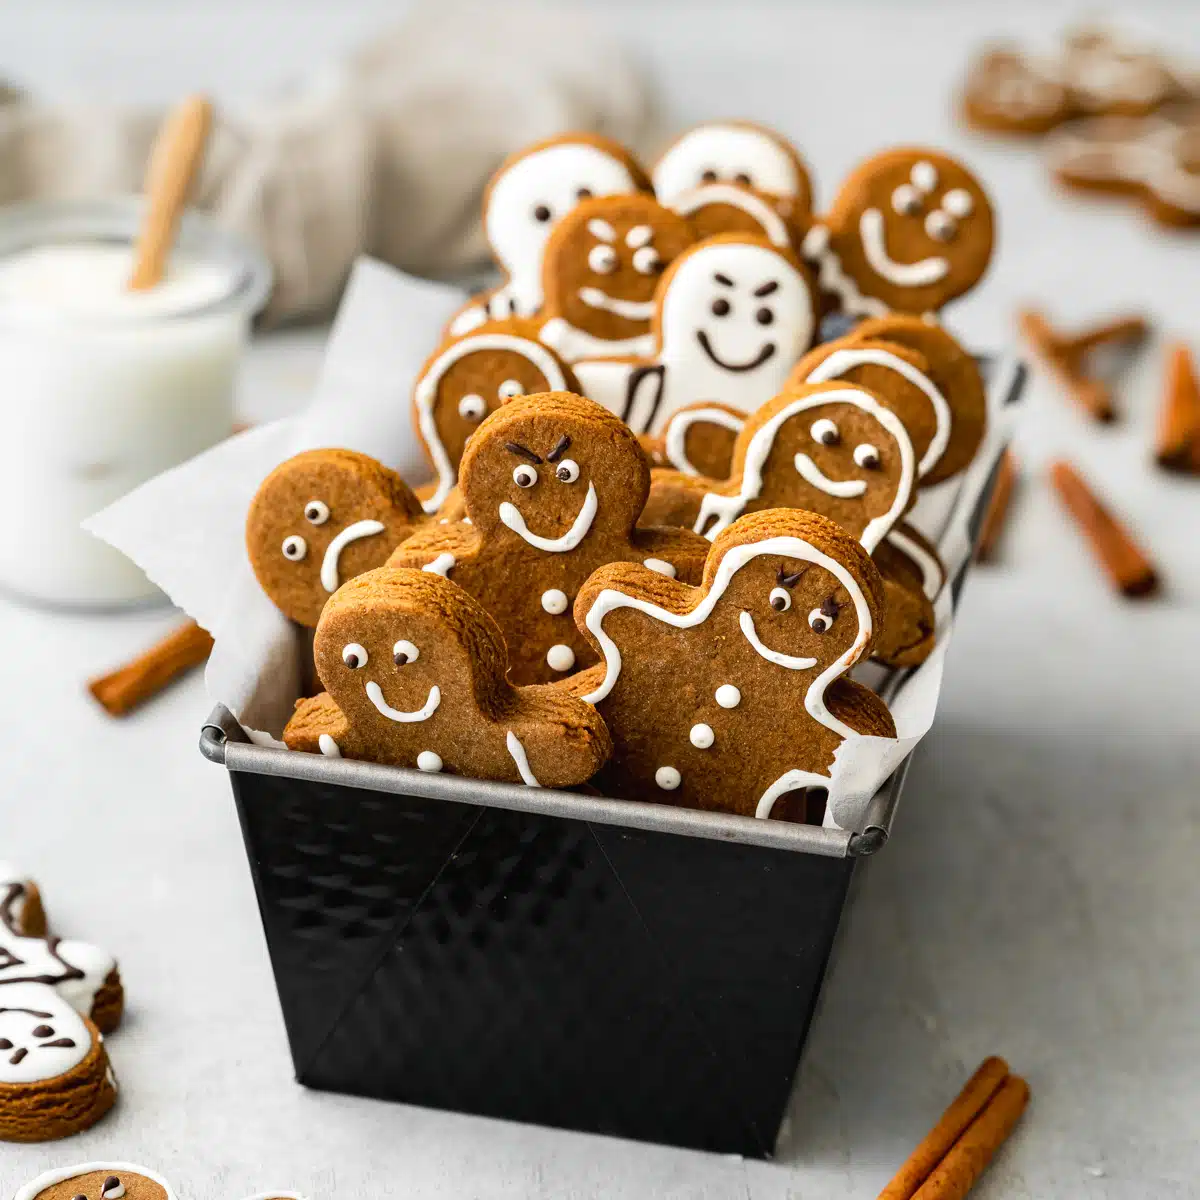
column 533, row 190
column 733, row 314
column 98, row 1181
column 910, row 230
column 758, row 706
column 320, row 518
column 470, row 376
column 602, row 264
column 553, row 486
column 416, row 675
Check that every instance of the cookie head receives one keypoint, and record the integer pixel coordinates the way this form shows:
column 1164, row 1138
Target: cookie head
column 737, row 303
column 322, row 517
column 41, row 1035
column 913, row 228
column 98, row 1181
column 468, row 379
column 604, row 260
column 553, row 469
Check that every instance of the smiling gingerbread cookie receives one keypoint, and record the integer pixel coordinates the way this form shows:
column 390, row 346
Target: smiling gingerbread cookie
column 910, row 230
column 471, row 376
column 98, row 1181
column 320, row 518
column 601, row 267
column 553, row 487
column 759, row 705
column 733, row 314
column 416, row 674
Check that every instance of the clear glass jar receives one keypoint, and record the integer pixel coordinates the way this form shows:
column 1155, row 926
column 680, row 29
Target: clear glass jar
column 100, row 393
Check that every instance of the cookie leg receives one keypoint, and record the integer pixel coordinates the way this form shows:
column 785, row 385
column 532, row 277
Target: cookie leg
column 907, row 636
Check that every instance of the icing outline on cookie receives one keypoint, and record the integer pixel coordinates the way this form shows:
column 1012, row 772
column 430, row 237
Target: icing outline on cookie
column 63, row 1174
column 329, row 564
column 674, row 445
column 772, row 224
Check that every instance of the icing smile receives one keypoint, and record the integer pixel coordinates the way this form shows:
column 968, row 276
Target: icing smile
column 375, row 695
column 757, row 361
column 791, row 661
column 329, row 564
column 511, row 516
column 874, row 242
column 844, row 489
column 632, row 310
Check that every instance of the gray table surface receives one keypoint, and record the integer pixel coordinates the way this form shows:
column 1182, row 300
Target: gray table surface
column 1039, row 897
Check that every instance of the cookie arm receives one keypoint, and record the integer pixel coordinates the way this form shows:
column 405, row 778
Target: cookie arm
column 553, row 738
column 424, row 549
column 684, row 550
column 860, row 708
column 317, row 718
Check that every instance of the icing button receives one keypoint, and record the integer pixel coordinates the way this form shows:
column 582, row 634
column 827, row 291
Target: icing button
column 428, row 761
column 701, row 736
column 554, row 601
column 560, row 658
column 661, row 566
column 667, row 778
column 727, row 696
column 329, row 747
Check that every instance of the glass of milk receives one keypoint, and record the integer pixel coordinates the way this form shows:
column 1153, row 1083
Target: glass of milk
column 102, row 388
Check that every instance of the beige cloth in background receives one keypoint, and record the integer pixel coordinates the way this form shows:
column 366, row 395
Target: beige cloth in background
column 387, row 153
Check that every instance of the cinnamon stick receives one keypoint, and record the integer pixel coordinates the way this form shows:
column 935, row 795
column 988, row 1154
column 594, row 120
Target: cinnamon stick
column 1178, row 447
column 988, row 1079
column 1123, row 560
column 956, row 1174
column 997, row 509
column 124, row 689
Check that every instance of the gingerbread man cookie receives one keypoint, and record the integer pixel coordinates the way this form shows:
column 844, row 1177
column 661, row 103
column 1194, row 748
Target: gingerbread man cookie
column 1107, row 72
column 758, row 706
column 56, row 998
column 732, row 315
column 98, row 1181
column 910, row 230
column 471, row 376
column 553, row 487
column 320, row 518
column 602, row 263
column 698, row 439
column 416, row 674
column 532, row 190
column 1007, row 92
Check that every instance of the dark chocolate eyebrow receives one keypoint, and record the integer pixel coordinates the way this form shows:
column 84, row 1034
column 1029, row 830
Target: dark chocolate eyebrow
column 723, row 279
column 523, row 451
column 767, row 288
column 830, row 608
column 560, row 449
column 789, row 581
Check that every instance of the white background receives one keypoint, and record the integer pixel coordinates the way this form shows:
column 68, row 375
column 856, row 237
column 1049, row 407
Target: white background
column 1039, row 898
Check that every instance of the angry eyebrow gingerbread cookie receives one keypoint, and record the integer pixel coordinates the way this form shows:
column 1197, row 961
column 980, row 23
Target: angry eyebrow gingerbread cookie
column 320, row 518
column 471, row 376
column 416, row 677
column 602, row 265
column 758, row 705
column 98, row 1181
column 733, row 313
column 553, row 487
column 910, row 230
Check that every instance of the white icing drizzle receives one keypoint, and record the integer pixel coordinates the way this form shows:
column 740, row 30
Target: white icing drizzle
column 511, row 516
column 352, row 533
column 661, row 566
column 843, row 489
column 725, row 509
column 555, row 601
column 62, row 1174
column 572, row 343
column 517, row 752
column 832, row 278
column 728, row 696
column 442, row 565
column 632, row 310
column 677, row 430
column 790, row 661
column 425, row 393
column 328, row 746
column 560, row 658
column 701, row 736
column 429, row 762
column 772, row 224
column 932, row 576
column 375, row 695
column 874, row 243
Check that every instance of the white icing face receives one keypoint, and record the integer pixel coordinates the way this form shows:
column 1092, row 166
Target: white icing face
column 531, row 195
column 41, row 1035
column 726, row 154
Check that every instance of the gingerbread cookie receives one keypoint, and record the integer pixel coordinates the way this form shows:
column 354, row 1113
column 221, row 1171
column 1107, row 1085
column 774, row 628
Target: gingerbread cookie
column 910, row 230
column 1008, row 92
column 601, row 266
column 471, row 376
column 736, row 177
column 553, row 487
column 320, row 518
column 732, row 315
column 416, row 674
column 699, row 438
column 56, row 998
column 1109, row 73
column 98, row 1181
column 532, row 190
column 759, row 705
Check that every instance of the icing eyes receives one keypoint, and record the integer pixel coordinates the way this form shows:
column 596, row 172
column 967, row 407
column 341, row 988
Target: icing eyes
column 866, row 455
column 958, row 202
column 940, row 226
column 510, row 388
column 906, row 200
column 403, row 653
column 602, row 259
column 819, row 622
column 567, row 470
column 646, row 260
column 709, row 176
column 764, row 316
column 542, row 213
column 780, row 599
column 316, row 512
column 720, row 307
column 472, row 407
column 825, row 432
column 744, row 179
column 354, row 656
column 583, row 193
column 294, row 548
column 525, row 476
